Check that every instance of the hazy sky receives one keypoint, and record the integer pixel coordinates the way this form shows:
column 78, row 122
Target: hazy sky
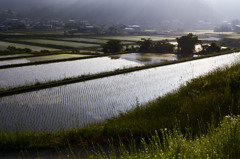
column 221, row 9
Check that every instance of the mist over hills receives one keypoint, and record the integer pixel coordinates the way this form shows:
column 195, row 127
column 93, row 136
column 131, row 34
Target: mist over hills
column 122, row 11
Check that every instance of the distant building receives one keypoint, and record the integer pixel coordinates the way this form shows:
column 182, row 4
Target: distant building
column 13, row 24
column 133, row 29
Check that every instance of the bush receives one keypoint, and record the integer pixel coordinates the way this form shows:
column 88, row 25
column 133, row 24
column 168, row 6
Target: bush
column 112, row 46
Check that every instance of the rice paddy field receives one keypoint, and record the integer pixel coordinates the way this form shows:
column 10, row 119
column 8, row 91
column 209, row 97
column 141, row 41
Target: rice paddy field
column 137, row 38
column 4, row 45
column 80, row 104
column 14, row 55
column 27, row 75
column 40, row 58
column 90, row 40
column 59, row 43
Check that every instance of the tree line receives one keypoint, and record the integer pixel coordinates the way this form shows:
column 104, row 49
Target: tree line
column 186, row 46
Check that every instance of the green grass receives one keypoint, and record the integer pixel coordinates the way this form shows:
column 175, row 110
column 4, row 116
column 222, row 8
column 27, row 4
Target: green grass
column 222, row 142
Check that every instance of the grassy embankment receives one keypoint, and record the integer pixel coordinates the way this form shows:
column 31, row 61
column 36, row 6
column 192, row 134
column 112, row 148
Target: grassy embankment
column 202, row 103
column 221, row 142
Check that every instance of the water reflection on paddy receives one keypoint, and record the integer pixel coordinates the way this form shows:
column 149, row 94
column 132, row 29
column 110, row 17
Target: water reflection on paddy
column 146, row 58
column 26, row 75
column 40, row 58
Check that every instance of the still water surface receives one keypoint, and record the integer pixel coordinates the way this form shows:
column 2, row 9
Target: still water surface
column 20, row 76
column 80, row 104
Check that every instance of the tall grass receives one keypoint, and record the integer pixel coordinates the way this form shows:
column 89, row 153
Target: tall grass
column 222, row 142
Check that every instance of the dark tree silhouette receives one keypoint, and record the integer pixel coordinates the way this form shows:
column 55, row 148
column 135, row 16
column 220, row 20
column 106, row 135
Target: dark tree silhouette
column 112, row 46
column 211, row 49
column 186, row 44
column 163, row 46
column 146, row 45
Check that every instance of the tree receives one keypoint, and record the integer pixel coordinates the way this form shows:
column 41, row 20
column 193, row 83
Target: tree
column 210, row 49
column 27, row 50
column 112, row 46
column 186, row 44
column 163, row 46
column 11, row 48
column 146, row 45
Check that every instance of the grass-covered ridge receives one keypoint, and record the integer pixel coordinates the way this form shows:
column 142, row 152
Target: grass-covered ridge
column 222, row 142
column 201, row 103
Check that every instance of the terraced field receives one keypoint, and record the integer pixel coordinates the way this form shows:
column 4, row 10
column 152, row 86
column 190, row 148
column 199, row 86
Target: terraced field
column 14, row 55
column 89, row 40
column 59, row 43
column 137, row 38
column 20, row 76
column 4, row 45
column 40, row 58
column 80, row 104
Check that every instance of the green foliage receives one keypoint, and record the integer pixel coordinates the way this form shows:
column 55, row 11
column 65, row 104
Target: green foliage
column 210, row 49
column 45, row 51
column 147, row 45
column 27, row 50
column 222, row 142
column 186, row 44
column 163, row 46
column 112, row 46
column 14, row 50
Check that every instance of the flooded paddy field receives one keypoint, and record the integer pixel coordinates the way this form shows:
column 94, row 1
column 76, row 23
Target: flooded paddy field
column 41, row 58
column 26, row 75
column 80, row 104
